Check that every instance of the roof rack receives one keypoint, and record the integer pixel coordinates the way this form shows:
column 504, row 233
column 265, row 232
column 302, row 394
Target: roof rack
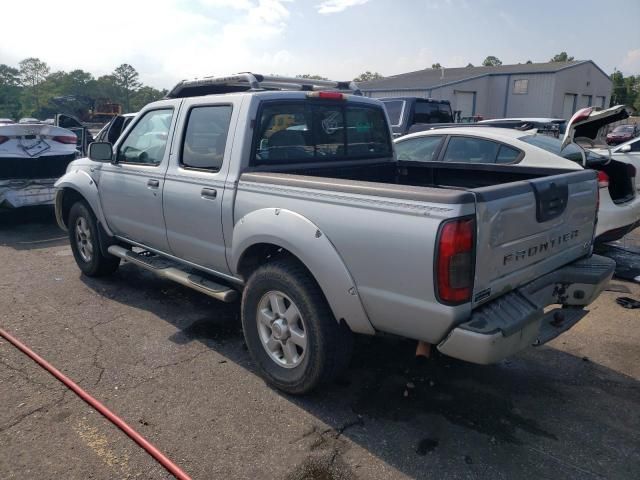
column 246, row 81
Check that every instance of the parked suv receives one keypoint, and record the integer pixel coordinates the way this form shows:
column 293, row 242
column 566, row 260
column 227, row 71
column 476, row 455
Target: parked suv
column 293, row 201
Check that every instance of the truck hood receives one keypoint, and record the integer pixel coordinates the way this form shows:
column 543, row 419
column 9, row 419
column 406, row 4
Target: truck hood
column 587, row 122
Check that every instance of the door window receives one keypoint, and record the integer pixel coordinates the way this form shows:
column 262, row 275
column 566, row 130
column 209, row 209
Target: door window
column 478, row 150
column 206, row 137
column 147, row 141
column 422, row 149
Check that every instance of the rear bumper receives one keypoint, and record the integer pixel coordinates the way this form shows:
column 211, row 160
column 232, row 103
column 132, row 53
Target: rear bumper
column 514, row 321
column 24, row 193
column 615, row 221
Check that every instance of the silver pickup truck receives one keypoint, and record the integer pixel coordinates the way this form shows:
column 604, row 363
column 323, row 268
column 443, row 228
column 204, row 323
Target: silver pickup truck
column 286, row 193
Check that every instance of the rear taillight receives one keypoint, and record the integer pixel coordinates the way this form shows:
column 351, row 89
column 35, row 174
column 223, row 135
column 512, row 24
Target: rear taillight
column 455, row 258
column 581, row 115
column 327, row 95
column 3, row 139
column 603, row 180
column 67, row 139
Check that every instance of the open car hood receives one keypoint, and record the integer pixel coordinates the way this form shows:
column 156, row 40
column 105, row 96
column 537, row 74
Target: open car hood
column 586, row 122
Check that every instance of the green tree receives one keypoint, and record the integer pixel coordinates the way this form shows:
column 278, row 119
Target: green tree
column 126, row 78
column 528, row 62
column 561, row 57
column 436, row 66
column 368, row 76
column 9, row 91
column 491, row 61
column 33, row 72
column 145, row 95
column 470, row 65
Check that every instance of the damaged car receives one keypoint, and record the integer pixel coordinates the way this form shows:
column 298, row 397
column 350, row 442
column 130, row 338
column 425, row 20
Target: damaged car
column 32, row 157
column 619, row 206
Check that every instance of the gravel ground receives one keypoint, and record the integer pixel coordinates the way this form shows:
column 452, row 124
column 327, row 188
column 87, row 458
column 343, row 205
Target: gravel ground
column 173, row 364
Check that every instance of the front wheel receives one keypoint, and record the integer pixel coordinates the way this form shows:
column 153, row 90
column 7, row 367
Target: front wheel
column 290, row 330
column 83, row 236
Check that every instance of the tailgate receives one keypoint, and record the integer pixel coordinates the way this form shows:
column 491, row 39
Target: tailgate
column 529, row 228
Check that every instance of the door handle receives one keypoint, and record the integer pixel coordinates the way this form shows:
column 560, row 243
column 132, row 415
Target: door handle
column 153, row 183
column 209, row 193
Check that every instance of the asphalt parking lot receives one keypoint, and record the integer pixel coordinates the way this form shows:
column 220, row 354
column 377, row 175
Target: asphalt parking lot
column 173, row 364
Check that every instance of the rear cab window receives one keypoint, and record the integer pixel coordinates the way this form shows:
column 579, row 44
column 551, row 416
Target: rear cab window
column 319, row 130
column 431, row 112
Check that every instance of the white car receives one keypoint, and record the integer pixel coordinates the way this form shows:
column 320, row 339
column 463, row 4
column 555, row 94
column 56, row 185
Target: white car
column 628, row 152
column 619, row 211
column 32, row 158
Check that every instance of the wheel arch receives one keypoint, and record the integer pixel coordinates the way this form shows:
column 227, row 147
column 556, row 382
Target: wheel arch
column 73, row 186
column 271, row 232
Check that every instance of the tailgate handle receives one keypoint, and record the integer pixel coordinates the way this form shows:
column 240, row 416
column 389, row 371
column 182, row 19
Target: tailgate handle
column 551, row 198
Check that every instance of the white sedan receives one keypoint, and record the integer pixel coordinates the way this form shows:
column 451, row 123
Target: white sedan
column 628, row 152
column 619, row 211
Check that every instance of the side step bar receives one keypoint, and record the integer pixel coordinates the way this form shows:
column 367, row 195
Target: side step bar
column 164, row 268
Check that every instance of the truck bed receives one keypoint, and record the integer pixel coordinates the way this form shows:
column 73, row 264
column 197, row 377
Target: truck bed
column 529, row 222
column 437, row 177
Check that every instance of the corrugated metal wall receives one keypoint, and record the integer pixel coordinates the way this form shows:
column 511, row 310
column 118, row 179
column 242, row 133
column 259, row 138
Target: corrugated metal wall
column 495, row 96
column 398, row 93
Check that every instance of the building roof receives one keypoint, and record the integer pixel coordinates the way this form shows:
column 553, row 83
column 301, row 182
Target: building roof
column 435, row 77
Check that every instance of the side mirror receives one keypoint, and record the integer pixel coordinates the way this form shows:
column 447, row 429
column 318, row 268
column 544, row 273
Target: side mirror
column 625, row 148
column 100, row 151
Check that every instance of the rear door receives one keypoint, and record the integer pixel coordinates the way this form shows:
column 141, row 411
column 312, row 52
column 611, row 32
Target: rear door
column 529, row 228
column 195, row 182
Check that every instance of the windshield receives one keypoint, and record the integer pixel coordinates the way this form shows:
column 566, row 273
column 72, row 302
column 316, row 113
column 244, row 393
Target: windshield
column 394, row 110
column 623, row 129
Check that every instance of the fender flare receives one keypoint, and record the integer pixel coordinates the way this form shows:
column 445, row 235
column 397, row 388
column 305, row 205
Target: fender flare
column 301, row 237
column 80, row 181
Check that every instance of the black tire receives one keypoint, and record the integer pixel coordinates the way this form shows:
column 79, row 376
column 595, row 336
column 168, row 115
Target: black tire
column 97, row 264
column 329, row 343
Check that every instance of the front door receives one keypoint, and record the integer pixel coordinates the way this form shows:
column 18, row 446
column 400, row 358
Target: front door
column 131, row 187
column 195, row 183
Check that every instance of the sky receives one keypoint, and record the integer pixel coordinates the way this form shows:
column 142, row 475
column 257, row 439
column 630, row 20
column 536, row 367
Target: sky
column 169, row 40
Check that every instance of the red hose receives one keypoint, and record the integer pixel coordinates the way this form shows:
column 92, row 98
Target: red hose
column 112, row 417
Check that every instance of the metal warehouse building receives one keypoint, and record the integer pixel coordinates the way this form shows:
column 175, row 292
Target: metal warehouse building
column 555, row 89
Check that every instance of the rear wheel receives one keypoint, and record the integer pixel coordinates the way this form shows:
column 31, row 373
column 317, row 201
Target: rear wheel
column 85, row 244
column 290, row 330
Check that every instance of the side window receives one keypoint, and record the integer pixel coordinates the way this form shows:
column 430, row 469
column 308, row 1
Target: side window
column 507, row 154
column 206, row 137
column 422, row 149
column 635, row 146
column 471, row 150
column 147, row 141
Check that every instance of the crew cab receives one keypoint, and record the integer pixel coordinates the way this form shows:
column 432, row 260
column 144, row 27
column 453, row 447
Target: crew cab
column 286, row 194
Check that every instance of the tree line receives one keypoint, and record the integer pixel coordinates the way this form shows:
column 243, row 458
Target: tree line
column 33, row 90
